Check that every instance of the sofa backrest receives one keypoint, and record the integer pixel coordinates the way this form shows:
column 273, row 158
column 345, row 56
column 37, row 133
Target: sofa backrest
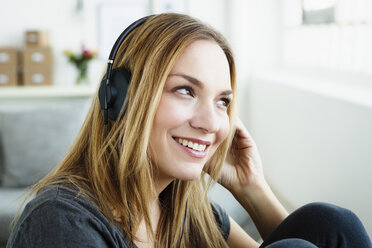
column 34, row 140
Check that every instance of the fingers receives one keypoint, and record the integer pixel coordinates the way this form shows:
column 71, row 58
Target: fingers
column 242, row 130
column 242, row 133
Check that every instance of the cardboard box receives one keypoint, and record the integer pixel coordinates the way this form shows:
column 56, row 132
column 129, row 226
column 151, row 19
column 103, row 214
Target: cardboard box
column 8, row 75
column 8, row 57
column 37, row 56
column 37, row 38
column 37, row 75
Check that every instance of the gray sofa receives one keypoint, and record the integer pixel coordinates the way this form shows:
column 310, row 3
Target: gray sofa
column 32, row 141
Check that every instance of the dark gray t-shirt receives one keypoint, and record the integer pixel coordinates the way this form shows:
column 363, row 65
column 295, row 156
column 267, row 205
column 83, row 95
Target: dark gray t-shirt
column 57, row 217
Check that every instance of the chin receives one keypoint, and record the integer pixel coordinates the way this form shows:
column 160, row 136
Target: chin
column 189, row 175
column 189, row 178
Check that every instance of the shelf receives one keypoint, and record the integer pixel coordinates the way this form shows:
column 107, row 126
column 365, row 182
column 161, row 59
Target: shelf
column 16, row 92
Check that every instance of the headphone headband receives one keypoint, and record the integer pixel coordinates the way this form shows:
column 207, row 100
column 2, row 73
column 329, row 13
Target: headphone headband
column 123, row 35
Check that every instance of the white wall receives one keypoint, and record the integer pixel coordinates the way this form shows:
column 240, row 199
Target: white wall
column 254, row 32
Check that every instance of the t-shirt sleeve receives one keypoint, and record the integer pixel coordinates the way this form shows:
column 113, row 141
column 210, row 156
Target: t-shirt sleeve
column 55, row 224
column 222, row 219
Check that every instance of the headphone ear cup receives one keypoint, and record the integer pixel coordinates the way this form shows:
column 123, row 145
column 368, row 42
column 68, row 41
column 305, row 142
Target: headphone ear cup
column 116, row 92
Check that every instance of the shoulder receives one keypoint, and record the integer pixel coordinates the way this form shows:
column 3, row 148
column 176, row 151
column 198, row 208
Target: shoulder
column 59, row 217
column 222, row 219
column 58, row 201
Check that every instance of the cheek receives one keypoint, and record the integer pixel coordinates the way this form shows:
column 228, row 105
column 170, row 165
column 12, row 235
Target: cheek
column 166, row 116
column 170, row 114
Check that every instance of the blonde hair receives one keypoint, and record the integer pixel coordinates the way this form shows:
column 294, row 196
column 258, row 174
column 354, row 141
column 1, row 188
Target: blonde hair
column 110, row 164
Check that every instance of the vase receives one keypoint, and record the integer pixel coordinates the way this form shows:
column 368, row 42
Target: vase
column 82, row 77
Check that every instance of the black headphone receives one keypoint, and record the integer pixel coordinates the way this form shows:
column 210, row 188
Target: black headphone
column 115, row 82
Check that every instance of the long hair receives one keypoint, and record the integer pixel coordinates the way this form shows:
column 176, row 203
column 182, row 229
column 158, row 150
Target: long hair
column 110, row 164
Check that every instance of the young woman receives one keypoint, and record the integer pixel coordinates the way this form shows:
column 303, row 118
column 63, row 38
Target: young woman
column 139, row 181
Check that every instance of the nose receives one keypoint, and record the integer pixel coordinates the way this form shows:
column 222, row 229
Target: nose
column 205, row 118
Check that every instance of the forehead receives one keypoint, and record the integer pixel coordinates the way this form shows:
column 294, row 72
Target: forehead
column 206, row 61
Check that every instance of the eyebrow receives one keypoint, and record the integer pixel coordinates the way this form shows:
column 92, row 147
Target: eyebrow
column 197, row 82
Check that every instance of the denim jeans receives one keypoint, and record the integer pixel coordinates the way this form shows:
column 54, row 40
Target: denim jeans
column 319, row 225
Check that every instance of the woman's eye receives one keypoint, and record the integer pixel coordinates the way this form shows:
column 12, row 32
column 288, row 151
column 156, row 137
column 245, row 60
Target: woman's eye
column 225, row 102
column 185, row 91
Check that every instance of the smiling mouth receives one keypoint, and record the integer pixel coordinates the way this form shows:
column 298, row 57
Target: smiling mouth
column 192, row 145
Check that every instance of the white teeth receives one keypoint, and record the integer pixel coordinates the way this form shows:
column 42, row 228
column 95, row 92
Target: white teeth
column 190, row 144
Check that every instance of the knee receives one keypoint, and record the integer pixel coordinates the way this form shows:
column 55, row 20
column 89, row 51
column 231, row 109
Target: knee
column 322, row 221
column 326, row 210
column 285, row 243
column 329, row 214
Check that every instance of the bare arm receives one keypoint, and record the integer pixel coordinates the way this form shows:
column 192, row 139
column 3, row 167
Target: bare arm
column 238, row 238
column 263, row 207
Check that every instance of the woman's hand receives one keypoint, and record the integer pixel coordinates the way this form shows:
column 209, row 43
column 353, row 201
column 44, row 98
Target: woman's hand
column 242, row 169
column 243, row 176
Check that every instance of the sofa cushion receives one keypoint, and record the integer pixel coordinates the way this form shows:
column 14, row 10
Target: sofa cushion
column 35, row 140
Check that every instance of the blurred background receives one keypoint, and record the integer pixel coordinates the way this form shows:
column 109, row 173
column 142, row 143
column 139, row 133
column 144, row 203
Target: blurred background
column 304, row 88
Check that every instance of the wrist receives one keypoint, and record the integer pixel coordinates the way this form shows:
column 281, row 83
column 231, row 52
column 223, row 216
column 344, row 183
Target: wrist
column 261, row 204
column 258, row 186
column 256, row 197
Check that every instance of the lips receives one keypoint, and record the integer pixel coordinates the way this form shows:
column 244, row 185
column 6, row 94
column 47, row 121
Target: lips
column 194, row 147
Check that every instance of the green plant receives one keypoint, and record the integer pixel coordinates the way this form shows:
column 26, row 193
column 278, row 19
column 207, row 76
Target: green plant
column 81, row 61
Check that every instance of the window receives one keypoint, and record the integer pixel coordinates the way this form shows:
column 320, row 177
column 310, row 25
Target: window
column 328, row 34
